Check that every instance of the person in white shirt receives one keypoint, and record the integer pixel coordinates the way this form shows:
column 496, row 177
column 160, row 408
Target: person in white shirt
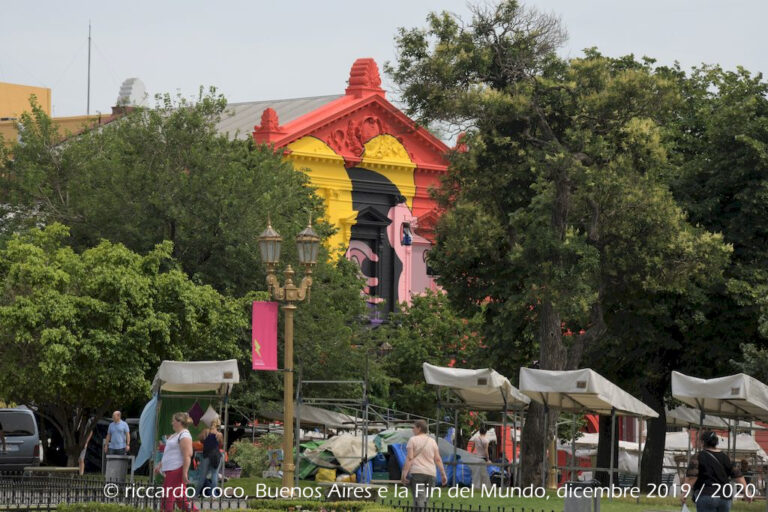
column 421, row 464
column 174, row 465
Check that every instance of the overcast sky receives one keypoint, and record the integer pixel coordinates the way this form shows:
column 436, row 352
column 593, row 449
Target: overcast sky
column 259, row 50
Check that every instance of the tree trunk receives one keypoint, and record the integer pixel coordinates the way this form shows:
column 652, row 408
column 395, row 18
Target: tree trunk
column 653, row 452
column 604, row 450
column 553, row 357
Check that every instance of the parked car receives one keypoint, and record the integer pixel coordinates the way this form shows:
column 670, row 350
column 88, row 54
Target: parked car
column 22, row 445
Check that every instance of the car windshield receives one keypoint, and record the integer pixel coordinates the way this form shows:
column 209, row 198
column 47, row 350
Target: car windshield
column 14, row 423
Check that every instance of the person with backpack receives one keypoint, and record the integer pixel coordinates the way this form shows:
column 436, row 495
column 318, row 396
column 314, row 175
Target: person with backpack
column 213, row 442
column 709, row 474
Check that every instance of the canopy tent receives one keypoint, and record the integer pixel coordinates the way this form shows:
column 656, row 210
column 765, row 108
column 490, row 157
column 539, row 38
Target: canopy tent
column 686, row 417
column 734, row 396
column 216, row 377
column 179, row 382
column 478, row 389
column 578, row 391
column 481, row 390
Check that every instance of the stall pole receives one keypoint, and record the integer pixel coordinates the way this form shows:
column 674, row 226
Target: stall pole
column 155, row 440
column 544, row 462
column 297, row 437
column 455, row 440
column 504, row 444
column 514, row 445
column 639, row 451
column 573, row 448
column 613, row 439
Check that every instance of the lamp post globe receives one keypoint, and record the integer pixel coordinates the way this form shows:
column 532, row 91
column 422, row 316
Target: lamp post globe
column 269, row 245
column 308, row 245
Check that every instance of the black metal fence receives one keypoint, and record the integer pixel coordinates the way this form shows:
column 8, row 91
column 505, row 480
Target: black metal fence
column 42, row 492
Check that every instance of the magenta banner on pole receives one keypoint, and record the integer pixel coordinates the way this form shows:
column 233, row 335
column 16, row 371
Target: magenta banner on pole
column 264, row 336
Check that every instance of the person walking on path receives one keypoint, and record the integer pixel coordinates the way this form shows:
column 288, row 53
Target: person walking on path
column 421, row 464
column 81, row 458
column 174, row 465
column 708, row 475
column 213, row 442
column 118, row 441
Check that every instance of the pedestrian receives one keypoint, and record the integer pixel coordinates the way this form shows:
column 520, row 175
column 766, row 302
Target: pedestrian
column 482, row 443
column 213, row 442
column 421, row 464
column 81, row 459
column 118, row 441
column 708, row 474
column 174, row 465
column 746, row 471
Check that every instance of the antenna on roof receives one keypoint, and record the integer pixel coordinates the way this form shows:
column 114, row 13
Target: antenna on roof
column 88, row 103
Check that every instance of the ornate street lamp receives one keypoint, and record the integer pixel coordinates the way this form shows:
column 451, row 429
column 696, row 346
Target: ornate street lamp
column 308, row 245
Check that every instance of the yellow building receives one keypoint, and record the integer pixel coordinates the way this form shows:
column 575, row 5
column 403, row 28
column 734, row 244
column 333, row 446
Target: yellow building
column 15, row 100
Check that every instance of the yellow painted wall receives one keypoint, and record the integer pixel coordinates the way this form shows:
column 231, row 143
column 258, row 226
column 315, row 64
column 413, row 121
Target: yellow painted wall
column 387, row 156
column 14, row 99
column 328, row 175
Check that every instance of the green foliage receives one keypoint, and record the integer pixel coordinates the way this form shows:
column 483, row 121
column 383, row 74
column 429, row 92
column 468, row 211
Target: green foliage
column 428, row 330
column 84, row 332
column 166, row 174
column 559, row 217
column 253, row 457
column 754, row 361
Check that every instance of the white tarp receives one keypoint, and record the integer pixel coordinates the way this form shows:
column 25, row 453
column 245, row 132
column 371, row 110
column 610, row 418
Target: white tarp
column 346, row 449
column 484, row 389
column 580, row 390
column 683, row 416
column 196, row 376
column 745, row 445
column 734, row 396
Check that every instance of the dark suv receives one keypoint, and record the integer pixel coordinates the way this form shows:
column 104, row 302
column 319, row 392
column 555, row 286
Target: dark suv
column 21, row 448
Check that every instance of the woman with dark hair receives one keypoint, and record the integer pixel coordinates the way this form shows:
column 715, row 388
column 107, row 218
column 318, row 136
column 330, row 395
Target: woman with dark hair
column 481, row 444
column 708, row 474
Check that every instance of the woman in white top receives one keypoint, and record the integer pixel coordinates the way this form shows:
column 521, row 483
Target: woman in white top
column 175, row 464
column 422, row 462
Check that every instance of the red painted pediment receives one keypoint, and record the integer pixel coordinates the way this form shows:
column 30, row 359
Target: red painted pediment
column 346, row 124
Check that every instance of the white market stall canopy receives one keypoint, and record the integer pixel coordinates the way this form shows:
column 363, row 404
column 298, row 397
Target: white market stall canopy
column 196, row 376
column 734, row 396
column 483, row 389
column 580, row 390
column 683, row 416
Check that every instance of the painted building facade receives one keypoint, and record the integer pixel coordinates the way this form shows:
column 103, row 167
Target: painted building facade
column 374, row 168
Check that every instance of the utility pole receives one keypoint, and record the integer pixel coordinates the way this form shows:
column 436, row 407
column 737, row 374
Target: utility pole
column 88, row 104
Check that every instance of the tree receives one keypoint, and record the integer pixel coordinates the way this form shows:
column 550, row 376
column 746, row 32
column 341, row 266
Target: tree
column 163, row 174
column 167, row 174
column 82, row 333
column 575, row 155
column 428, row 330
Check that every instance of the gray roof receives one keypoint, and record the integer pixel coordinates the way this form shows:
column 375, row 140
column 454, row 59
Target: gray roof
column 240, row 118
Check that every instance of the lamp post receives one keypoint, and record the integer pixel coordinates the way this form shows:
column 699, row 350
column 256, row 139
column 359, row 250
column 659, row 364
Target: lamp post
column 307, row 244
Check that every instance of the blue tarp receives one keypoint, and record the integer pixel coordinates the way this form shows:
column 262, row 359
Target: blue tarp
column 364, row 475
column 146, row 433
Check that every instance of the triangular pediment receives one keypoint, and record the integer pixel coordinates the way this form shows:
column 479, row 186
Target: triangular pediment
column 370, row 216
column 347, row 124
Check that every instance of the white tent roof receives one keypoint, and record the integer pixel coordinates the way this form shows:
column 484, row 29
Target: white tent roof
column 580, row 390
column 196, row 376
column 484, row 389
column 683, row 416
column 734, row 396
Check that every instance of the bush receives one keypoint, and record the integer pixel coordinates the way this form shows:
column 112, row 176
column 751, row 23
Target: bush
column 95, row 507
column 253, row 457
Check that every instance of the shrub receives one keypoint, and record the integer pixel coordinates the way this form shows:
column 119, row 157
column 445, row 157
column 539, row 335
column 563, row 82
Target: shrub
column 253, row 457
column 319, row 505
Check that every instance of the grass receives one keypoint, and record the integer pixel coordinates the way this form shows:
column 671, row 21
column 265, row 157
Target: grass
column 550, row 503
